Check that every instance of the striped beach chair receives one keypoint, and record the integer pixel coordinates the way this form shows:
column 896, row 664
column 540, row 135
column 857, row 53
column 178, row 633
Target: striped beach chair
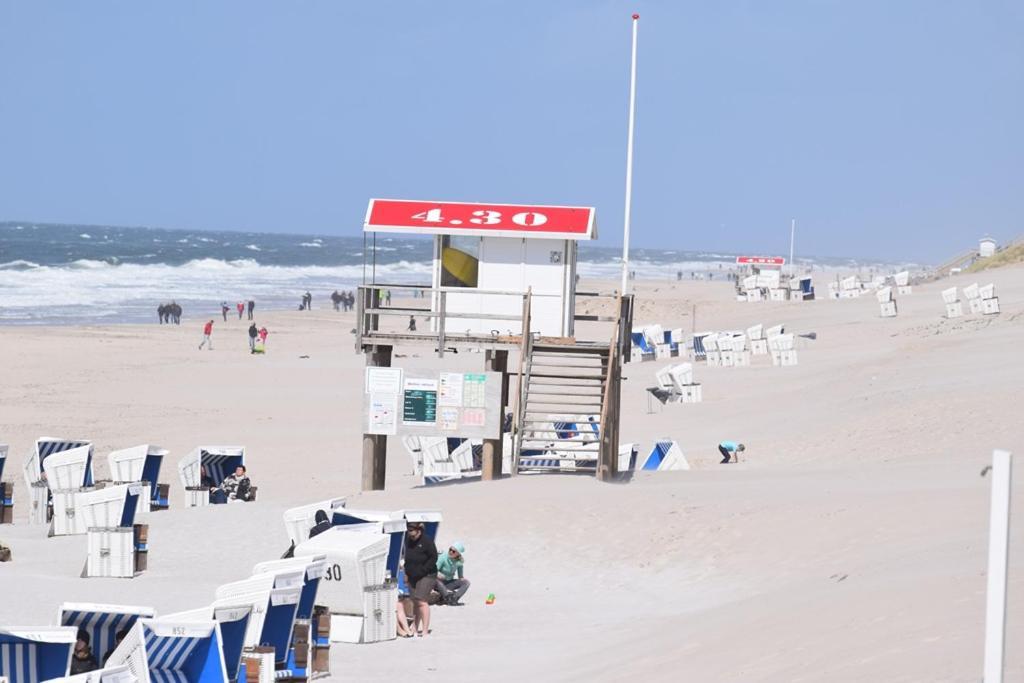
column 140, row 463
column 160, row 651
column 101, row 622
column 33, row 655
column 274, row 598
column 233, row 621
column 219, row 461
column 666, row 455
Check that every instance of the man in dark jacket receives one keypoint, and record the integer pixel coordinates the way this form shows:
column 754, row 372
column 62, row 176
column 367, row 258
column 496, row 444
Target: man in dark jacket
column 82, row 659
column 253, row 332
column 420, row 574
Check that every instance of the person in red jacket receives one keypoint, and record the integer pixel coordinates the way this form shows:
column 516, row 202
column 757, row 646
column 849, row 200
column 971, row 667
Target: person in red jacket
column 207, row 331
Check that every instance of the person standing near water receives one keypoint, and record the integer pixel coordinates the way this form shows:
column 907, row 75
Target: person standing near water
column 207, row 331
column 252, row 305
column 253, row 332
column 224, row 310
column 241, row 309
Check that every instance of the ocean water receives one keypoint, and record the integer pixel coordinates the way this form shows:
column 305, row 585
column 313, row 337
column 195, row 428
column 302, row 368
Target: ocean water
column 74, row 274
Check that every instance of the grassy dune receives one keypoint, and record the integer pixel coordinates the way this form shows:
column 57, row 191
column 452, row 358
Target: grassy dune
column 1012, row 254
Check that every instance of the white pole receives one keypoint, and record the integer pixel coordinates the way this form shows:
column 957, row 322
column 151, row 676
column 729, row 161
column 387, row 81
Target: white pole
column 629, row 164
column 998, row 552
column 792, row 235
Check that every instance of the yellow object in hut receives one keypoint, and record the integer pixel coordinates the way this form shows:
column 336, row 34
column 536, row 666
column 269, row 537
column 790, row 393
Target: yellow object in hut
column 459, row 268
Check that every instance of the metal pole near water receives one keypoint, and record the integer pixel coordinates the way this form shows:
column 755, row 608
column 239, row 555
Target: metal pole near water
column 998, row 554
column 629, row 163
column 792, row 237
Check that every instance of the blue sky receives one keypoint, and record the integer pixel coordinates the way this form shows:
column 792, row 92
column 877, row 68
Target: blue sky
column 888, row 128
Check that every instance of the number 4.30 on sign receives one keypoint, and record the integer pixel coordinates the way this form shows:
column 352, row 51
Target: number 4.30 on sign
column 483, row 217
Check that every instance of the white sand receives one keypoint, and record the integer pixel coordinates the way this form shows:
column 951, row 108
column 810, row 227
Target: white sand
column 849, row 545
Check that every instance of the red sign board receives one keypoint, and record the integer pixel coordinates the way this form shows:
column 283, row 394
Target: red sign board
column 761, row 260
column 463, row 218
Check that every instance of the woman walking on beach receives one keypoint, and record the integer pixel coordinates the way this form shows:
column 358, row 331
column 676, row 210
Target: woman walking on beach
column 420, row 574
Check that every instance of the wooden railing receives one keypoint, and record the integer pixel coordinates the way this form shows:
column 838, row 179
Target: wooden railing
column 608, row 452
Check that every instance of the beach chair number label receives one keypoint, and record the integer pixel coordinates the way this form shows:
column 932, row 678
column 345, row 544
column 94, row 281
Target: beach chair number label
column 528, row 219
column 178, row 631
column 333, row 573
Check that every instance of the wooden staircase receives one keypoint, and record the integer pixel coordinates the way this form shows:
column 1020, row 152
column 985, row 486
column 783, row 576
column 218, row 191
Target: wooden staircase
column 560, row 407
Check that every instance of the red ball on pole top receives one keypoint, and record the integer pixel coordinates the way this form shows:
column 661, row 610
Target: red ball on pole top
column 636, row 16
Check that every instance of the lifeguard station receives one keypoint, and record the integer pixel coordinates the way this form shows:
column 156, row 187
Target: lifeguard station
column 503, row 278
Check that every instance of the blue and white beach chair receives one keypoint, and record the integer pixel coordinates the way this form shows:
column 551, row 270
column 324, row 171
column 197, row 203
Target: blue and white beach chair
column 33, row 655
column 666, row 455
column 274, row 598
column 101, row 622
column 160, row 651
column 298, row 521
column 219, row 462
column 233, row 621
column 140, row 463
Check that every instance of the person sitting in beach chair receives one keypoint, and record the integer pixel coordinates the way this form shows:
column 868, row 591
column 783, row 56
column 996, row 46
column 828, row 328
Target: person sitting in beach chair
column 235, row 487
column 451, row 583
column 730, row 448
column 323, row 523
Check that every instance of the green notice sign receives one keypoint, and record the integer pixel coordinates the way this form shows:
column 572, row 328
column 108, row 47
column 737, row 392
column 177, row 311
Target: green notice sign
column 419, row 402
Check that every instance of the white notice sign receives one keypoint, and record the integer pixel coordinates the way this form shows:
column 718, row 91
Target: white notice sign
column 383, row 414
column 383, row 381
column 450, row 392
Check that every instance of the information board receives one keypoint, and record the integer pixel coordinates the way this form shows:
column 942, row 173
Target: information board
column 411, row 401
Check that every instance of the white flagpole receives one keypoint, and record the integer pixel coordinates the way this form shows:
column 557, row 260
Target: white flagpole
column 792, row 236
column 629, row 164
column 998, row 553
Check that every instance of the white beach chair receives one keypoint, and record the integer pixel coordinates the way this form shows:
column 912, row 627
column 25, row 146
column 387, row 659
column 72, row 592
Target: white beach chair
column 137, row 464
column 884, row 295
column 949, row 295
column 299, row 520
column 902, row 278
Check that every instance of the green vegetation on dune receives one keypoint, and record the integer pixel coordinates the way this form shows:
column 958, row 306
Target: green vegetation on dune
column 1011, row 254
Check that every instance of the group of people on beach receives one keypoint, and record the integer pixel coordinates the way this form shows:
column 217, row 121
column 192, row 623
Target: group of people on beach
column 343, row 301
column 254, row 333
column 82, row 658
column 427, row 573
column 169, row 313
column 241, row 307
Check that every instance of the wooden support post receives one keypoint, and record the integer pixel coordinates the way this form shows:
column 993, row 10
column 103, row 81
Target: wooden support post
column 494, row 449
column 375, row 446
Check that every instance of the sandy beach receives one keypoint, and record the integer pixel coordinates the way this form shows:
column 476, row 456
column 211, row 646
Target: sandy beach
column 849, row 544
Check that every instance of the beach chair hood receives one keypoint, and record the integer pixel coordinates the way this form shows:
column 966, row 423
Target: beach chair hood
column 32, row 655
column 101, row 622
column 274, row 599
column 172, row 652
column 113, row 506
column 69, row 469
column 138, row 463
column 355, row 560
column 299, row 520
column 314, row 568
column 233, row 620
column 219, row 461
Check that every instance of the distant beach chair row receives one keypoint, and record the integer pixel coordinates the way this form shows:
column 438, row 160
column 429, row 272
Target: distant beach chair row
column 769, row 285
column 980, row 300
column 736, row 349
column 852, row 287
column 58, row 471
column 339, row 585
